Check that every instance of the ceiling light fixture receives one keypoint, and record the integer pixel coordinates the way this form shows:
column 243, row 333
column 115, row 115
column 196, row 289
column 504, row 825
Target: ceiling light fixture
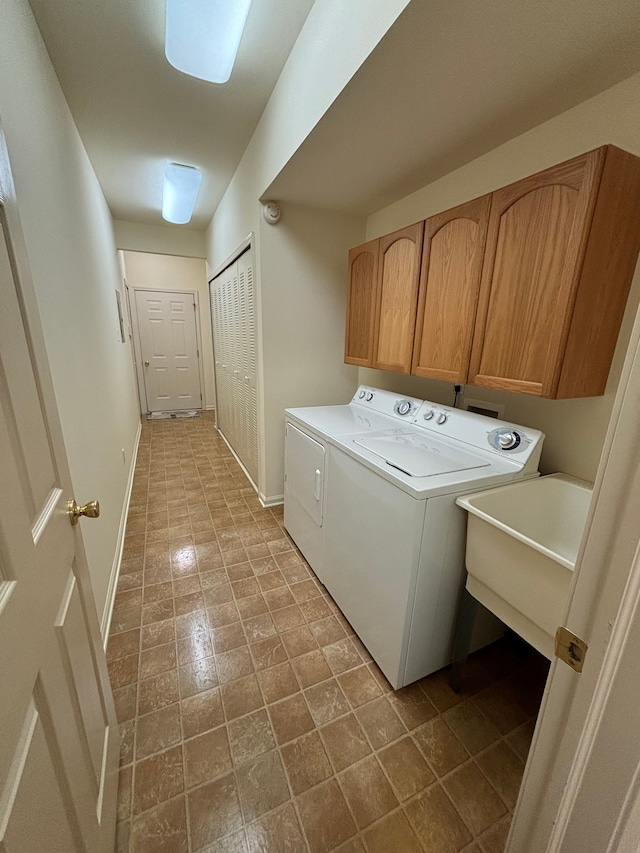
column 202, row 36
column 179, row 192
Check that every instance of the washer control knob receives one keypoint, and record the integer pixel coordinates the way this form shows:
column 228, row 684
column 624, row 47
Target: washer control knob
column 442, row 418
column 369, row 396
column 362, row 395
column 507, row 440
column 402, row 407
column 428, row 415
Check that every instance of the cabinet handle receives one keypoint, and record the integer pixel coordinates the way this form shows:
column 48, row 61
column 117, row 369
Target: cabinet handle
column 317, row 486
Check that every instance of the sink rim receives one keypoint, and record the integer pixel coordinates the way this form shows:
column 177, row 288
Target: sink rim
column 466, row 502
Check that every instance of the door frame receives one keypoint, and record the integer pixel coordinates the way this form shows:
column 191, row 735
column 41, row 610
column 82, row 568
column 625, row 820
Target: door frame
column 570, row 786
column 137, row 347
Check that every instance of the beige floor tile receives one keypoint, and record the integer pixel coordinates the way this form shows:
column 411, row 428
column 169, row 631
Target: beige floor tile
column 161, row 830
column 436, row 822
column 206, row 757
column 504, row 770
column 277, row 831
column 250, row 736
column 214, row 811
column 474, row 798
column 344, row 741
column 290, row 718
column 201, row 712
column 157, row 779
column 380, row 722
column 325, row 817
column 440, row 747
column 306, row 762
column 158, row 731
column 471, row 727
column 406, row 768
column 392, row 833
column 367, row 791
column 326, row 701
column 262, row 785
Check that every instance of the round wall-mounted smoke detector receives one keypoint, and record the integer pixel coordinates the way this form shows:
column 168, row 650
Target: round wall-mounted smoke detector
column 271, row 212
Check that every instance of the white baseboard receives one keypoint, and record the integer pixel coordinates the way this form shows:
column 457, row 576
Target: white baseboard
column 239, row 461
column 274, row 500
column 107, row 613
column 209, row 408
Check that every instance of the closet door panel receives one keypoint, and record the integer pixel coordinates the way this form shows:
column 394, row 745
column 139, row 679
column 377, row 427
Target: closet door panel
column 235, row 355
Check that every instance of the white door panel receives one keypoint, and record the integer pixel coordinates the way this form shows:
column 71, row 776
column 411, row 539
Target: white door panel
column 58, row 731
column 169, row 350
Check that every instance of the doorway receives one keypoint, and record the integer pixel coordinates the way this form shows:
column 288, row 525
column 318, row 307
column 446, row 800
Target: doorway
column 166, row 342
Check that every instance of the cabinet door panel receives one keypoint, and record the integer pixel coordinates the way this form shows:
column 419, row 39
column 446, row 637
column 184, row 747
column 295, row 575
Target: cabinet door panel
column 449, row 285
column 361, row 304
column 398, row 272
column 537, row 233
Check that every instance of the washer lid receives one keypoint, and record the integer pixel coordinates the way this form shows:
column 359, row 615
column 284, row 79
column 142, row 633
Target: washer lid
column 420, row 456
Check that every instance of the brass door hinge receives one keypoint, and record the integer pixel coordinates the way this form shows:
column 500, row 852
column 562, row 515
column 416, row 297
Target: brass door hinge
column 570, row 649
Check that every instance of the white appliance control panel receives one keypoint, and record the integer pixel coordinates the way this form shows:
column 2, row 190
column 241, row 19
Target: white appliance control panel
column 387, row 403
column 480, row 431
column 502, row 438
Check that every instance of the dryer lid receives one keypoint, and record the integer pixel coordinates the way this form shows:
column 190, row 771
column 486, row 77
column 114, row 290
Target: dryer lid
column 420, row 456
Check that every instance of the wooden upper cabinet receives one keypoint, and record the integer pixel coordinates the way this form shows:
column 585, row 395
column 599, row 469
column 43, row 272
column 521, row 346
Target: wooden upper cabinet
column 560, row 252
column 361, row 304
column 449, row 286
column 398, row 275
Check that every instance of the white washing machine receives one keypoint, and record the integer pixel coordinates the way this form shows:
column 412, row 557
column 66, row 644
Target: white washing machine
column 373, row 511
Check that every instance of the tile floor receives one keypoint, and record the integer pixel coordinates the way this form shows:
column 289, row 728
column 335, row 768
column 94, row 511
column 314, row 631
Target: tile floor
column 252, row 719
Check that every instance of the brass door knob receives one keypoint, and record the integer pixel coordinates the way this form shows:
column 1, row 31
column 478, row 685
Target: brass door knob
column 91, row 510
column 146, row 364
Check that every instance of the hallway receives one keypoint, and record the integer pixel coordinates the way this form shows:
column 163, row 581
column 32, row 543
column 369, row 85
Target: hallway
column 252, row 719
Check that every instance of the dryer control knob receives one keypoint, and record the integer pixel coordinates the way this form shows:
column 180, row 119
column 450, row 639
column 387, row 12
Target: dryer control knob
column 428, row 415
column 369, row 396
column 403, row 407
column 442, row 418
column 362, row 395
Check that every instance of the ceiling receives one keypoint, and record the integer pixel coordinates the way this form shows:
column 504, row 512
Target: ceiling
column 451, row 80
column 135, row 112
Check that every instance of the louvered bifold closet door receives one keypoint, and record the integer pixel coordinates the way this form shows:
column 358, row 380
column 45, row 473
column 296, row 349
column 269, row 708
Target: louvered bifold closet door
column 235, row 355
column 249, row 364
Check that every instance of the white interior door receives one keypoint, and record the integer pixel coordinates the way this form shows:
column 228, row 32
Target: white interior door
column 58, row 731
column 581, row 788
column 169, row 349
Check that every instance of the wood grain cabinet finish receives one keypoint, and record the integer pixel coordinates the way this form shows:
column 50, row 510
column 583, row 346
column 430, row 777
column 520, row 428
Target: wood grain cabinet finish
column 398, row 276
column 361, row 304
column 560, row 253
column 452, row 256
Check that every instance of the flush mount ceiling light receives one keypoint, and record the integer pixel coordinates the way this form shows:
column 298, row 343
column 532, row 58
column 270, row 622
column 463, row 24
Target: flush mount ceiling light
column 179, row 192
column 202, row 36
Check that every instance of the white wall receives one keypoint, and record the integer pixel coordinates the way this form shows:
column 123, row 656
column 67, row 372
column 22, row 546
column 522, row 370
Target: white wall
column 304, row 270
column 160, row 239
column 574, row 429
column 336, row 39
column 167, row 272
column 69, row 237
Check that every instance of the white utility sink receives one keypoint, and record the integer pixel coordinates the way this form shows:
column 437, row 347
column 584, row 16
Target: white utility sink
column 522, row 544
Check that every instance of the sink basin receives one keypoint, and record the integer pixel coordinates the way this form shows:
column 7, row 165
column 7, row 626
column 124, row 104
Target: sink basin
column 522, row 544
